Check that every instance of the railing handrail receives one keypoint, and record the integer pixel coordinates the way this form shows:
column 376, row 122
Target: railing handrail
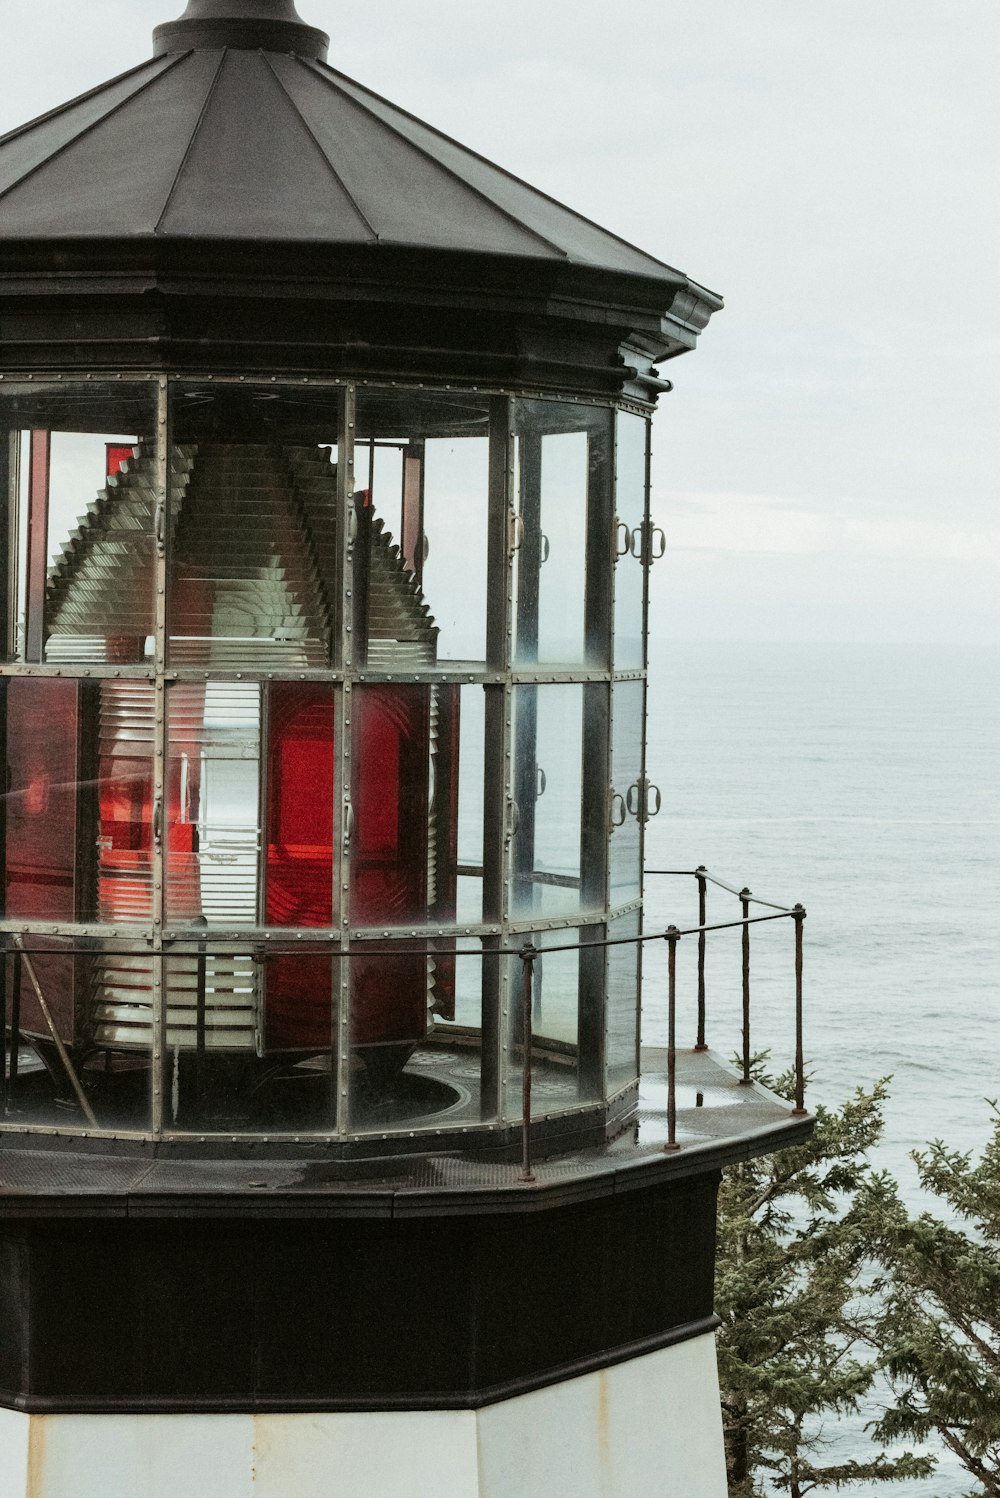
column 13, row 943
column 703, row 873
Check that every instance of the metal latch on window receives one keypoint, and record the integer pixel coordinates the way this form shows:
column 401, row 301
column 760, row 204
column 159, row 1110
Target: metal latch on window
column 647, row 543
column 644, row 800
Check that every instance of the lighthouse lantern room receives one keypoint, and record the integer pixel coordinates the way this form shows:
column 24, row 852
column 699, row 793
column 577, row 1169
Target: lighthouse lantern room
column 329, row 1162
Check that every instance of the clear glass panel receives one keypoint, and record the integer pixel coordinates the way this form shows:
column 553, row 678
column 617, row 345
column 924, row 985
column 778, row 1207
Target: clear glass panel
column 567, row 1001
column 249, row 1040
column 417, row 1056
column 469, row 731
column 420, row 560
column 254, row 524
column 560, row 770
column 630, row 507
column 626, row 780
column 76, row 1034
column 412, row 769
column 622, row 1044
column 78, row 496
column 213, row 803
column 561, row 534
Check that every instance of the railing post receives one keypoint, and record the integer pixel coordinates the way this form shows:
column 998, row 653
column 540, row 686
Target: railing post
column 15, row 1031
column 528, row 954
column 745, row 902
column 672, row 938
column 799, row 916
column 700, row 872
column 3, row 1027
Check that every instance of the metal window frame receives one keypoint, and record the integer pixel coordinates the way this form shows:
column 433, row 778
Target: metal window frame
column 497, row 675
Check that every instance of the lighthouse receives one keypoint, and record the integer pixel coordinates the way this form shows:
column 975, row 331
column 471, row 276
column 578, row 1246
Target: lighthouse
column 330, row 1159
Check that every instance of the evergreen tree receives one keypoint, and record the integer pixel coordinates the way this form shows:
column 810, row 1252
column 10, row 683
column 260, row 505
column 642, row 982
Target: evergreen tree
column 939, row 1337
column 794, row 1308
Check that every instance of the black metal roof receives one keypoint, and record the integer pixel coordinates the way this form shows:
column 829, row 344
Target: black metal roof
column 220, row 137
column 235, row 203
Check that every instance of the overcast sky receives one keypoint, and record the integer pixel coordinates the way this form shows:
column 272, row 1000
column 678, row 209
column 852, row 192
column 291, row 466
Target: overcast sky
column 827, row 467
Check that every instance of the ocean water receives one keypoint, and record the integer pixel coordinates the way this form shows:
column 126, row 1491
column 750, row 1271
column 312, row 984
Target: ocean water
column 863, row 781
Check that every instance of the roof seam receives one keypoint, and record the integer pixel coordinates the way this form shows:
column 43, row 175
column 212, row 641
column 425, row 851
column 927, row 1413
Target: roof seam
column 511, row 176
column 329, row 164
column 210, row 91
column 441, row 166
column 91, row 93
column 88, row 129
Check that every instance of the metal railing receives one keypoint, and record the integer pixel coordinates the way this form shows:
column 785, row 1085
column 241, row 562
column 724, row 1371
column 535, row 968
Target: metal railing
column 528, row 955
column 794, row 913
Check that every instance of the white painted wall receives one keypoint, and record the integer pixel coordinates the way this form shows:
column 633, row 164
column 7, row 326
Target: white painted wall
column 650, row 1428
column 14, row 1431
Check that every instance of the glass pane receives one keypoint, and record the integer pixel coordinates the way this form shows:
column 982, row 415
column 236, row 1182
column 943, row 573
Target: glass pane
column 300, row 810
column 79, row 814
column 249, row 1040
column 630, row 506
column 75, row 826
column 468, row 740
column 255, row 521
column 40, row 808
column 125, row 732
column 626, row 780
column 213, row 803
column 78, row 488
column 391, row 802
column 622, row 1046
column 560, row 771
column 562, row 526
column 77, row 1031
column 410, row 768
column 420, row 560
column 417, row 1058
column 299, row 875
column 567, row 998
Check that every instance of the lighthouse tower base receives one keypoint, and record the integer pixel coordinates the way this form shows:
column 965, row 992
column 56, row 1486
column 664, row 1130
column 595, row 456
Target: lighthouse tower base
column 646, row 1428
column 280, row 1329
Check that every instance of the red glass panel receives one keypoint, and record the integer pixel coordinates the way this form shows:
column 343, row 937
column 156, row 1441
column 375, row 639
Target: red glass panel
column 391, row 775
column 299, row 885
column 117, row 454
column 125, row 780
column 42, row 732
column 445, row 833
column 41, row 834
column 125, row 842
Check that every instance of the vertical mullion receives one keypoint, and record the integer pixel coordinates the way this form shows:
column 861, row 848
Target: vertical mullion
column 598, row 700
column 161, row 573
column 646, row 553
column 497, row 776
column 10, row 452
column 351, row 622
column 524, row 641
column 39, row 472
column 613, row 562
column 4, row 689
